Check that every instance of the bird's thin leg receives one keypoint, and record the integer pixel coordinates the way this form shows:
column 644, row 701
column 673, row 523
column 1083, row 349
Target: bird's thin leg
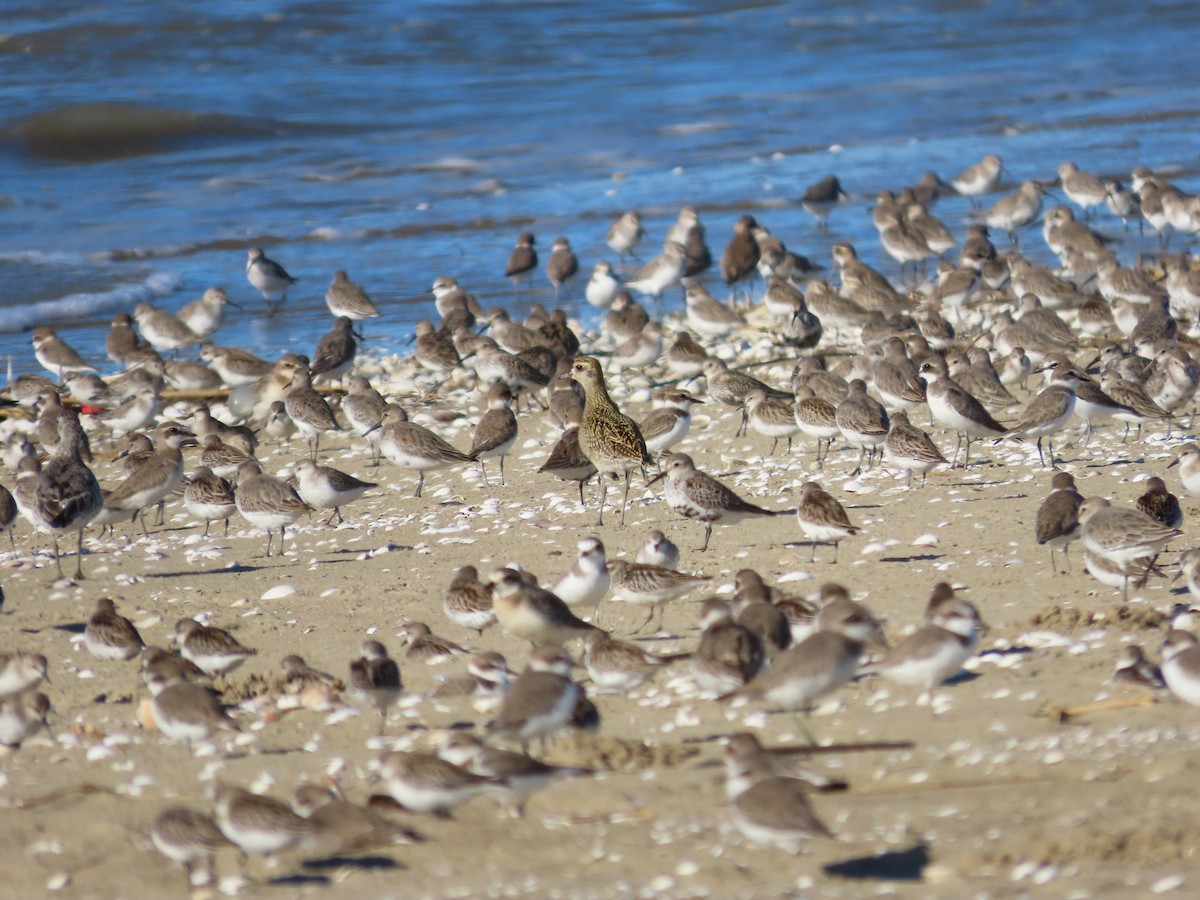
column 79, row 557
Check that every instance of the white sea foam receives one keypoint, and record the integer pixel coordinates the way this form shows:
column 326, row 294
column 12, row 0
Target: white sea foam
column 83, row 305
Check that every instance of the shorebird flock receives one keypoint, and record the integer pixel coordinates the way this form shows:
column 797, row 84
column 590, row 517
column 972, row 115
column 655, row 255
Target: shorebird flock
column 837, row 388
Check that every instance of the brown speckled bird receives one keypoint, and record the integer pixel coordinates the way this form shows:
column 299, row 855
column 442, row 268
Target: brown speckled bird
column 610, row 439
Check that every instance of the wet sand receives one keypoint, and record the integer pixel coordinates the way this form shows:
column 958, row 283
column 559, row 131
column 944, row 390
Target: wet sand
column 999, row 796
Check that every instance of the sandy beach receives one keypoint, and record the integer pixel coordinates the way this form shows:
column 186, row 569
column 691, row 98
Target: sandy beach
column 1000, row 795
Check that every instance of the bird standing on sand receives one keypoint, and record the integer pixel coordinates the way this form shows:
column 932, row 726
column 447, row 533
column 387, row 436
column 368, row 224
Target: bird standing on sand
column 697, row 495
column 610, row 439
column 67, row 496
column 375, row 680
column 497, row 430
column 822, row 518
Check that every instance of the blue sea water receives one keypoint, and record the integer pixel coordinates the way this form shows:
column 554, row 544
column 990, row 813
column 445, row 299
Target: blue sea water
column 147, row 145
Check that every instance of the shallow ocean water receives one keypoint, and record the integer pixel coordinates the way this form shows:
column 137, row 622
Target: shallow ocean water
column 146, row 146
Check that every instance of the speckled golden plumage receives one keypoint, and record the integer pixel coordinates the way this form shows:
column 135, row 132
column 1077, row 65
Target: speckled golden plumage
column 610, row 439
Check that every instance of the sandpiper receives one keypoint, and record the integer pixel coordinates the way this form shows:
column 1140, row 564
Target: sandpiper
column 669, row 423
column 1015, row 210
column 111, row 636
column 163, row 330
column 562, row 266
column 187, row 712
column 496, row 432
column 411, row 446
column 1121, row 535
column 345, row 298
column 566, row 460
column 731, row 388
column 234, row 365
column 323, row 487
column 1057, row 523
column 767, row 808
column 818, row 665
column 1188, row 460
column 22, row 716
column 426, row 647
column 696, row 495
column 685, row 358
column 309, row 410
column 910, row 449
column 957, row 409
column 822, row 518
column 468, row 601
column 662, row 272
column 821, row 197
column 335, row 352
column 708, row 316
column 495, row 366
column 256, row 824
column 299, row 676
column 1160, row 504
column 617, row 667
column 522, row 260
column 1132, row 667
column 1082, row 188
column 607, row 437
column 341, row 827
column 1181, row 665
column 209, row 497
column 8, row 513
column 160, row 667
column 512, row 337
column 156, row 477
column 204, row 316
column 518, row 775
column 688, row 231
column 190, row 838
column 729, row 655
column 55, row 355
column 863, row 421
column 739, row 261
column 771, row 417
column 625, row 233
column 434, row 351
column 121, row 339
column 978, row 178
column 133, row 414
column 267, row 277
column 1048, row 413
column 979, row 379
column 223, row 459
column 66, row 494
column 653, row 586
column 426, row 783
column 267, row 503
column 802, row 328
column 214, row 650
column 816, row 417
column 375, row 680
column 20, row 671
